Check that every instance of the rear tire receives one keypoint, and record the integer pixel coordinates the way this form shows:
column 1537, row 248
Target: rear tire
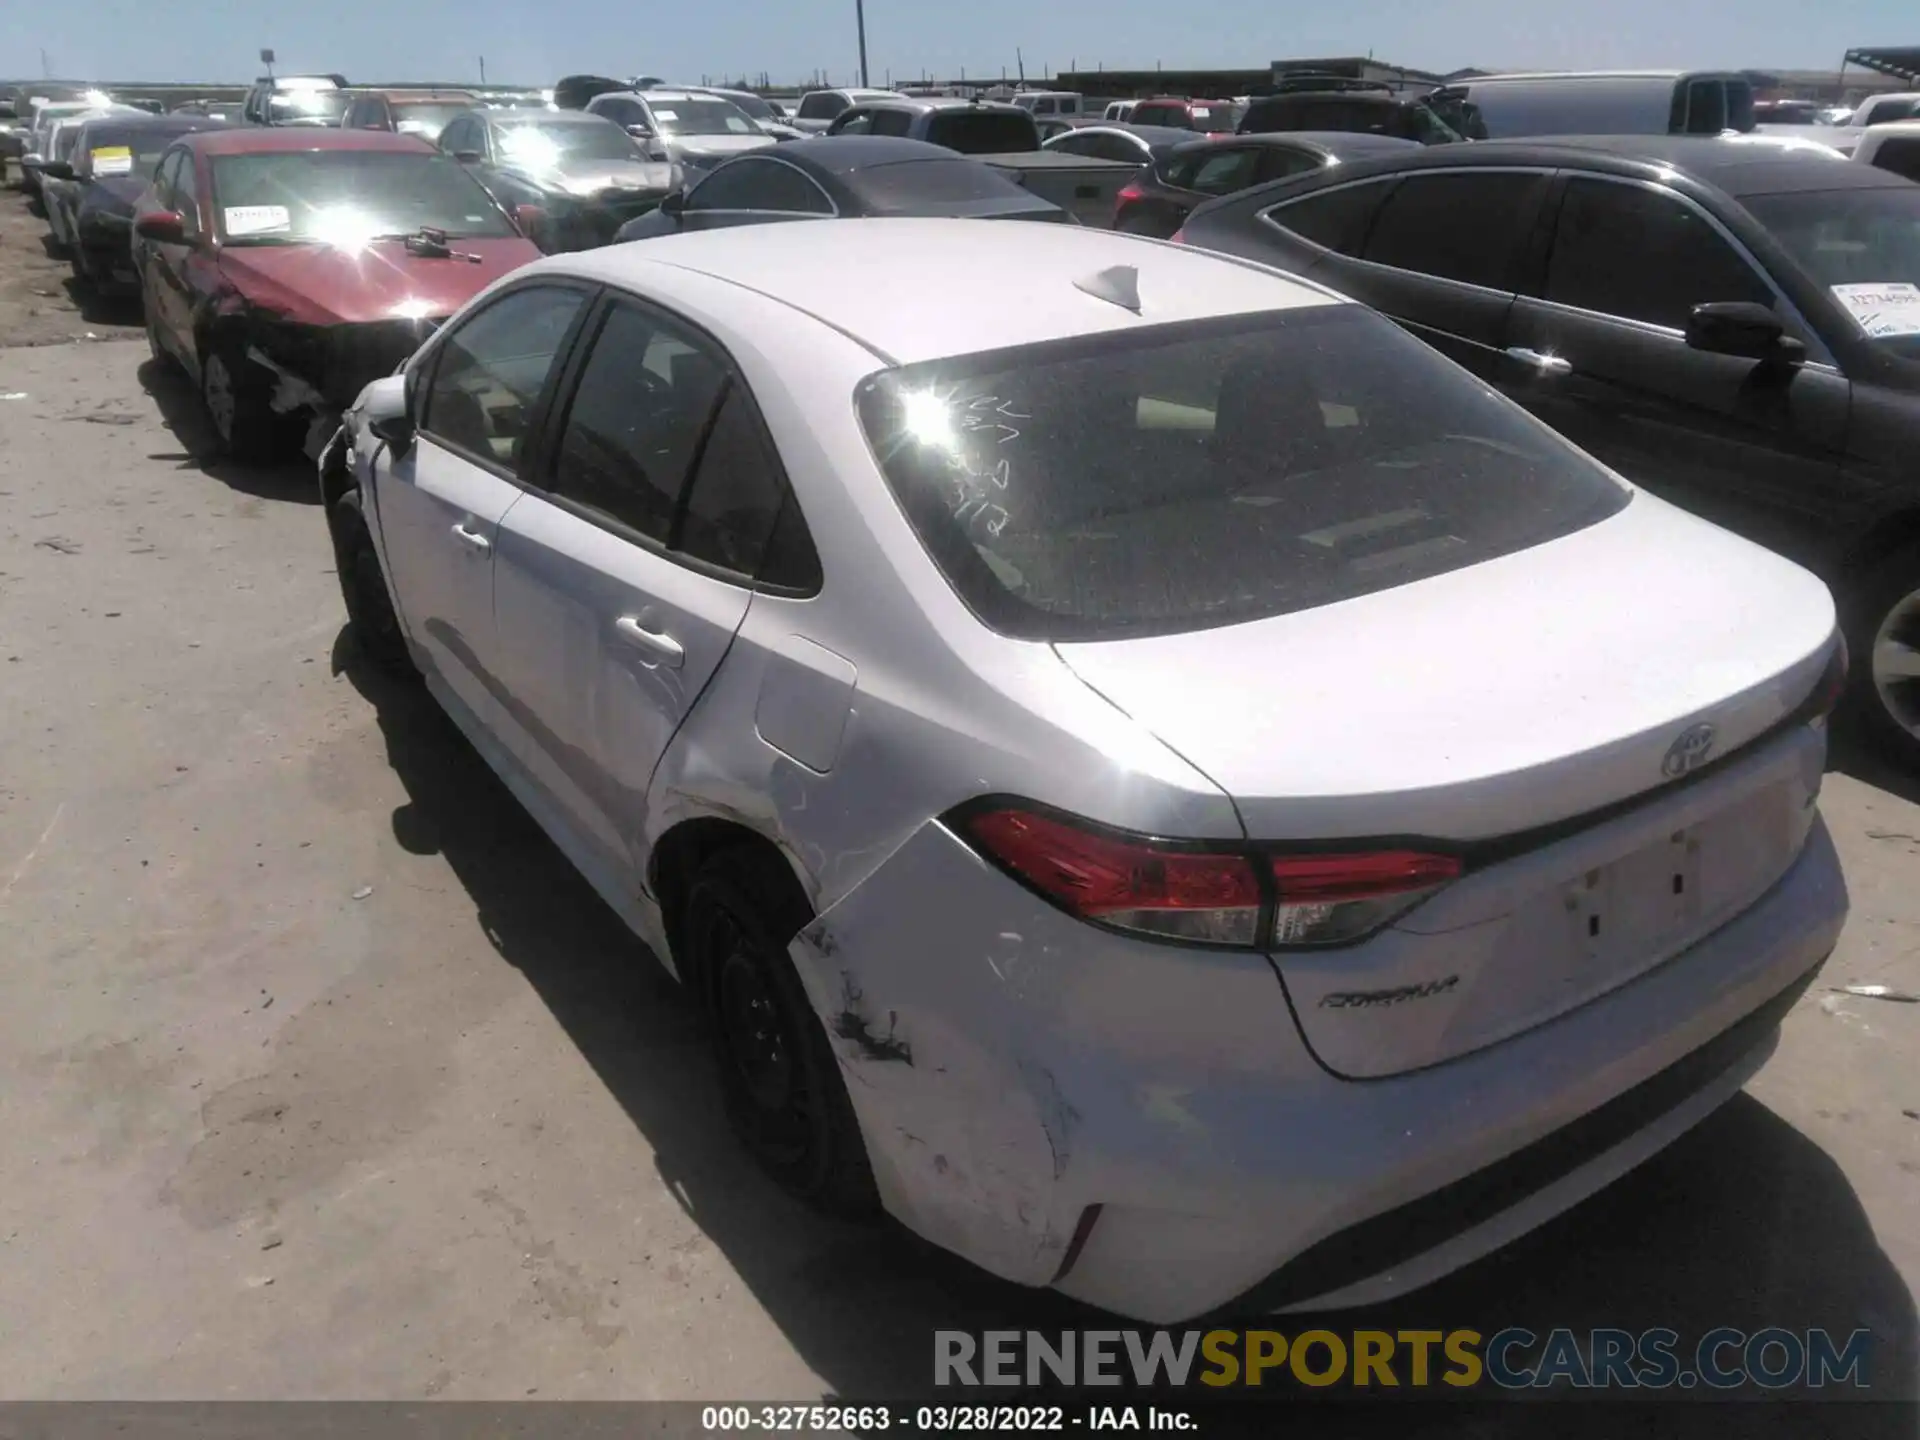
column 785, row 1096
column 1883, row 641
column 370, row 613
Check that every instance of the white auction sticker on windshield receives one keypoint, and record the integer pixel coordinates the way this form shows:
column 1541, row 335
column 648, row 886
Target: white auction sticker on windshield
column 660, row 114
column 113, row 160
column 1889, row 309
column 257, row 219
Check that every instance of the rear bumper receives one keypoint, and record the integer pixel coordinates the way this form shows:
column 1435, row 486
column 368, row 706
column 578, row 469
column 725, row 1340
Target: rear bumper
column 1011, row 1067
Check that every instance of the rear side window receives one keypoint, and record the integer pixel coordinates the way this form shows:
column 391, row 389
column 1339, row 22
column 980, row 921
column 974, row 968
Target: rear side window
column 490, row 371
column 1222, row 172
column 1706, row 107
column 733, row 509
column 1902, row 157
column 1187, row 476
column 981, row 132
column 1460, row 227
column 891, row 122
column 1336, row 219
column 1643, row 255
column 821, row 105
column 646, row 399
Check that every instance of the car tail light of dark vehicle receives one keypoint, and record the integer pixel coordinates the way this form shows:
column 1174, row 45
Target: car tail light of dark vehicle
column 1201, row 893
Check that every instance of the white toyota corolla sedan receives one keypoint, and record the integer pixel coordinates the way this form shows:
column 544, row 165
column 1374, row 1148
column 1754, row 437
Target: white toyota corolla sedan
column 1160, row 782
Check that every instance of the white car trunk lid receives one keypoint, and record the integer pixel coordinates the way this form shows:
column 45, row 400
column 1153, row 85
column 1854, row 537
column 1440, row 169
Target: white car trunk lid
column 1516, row 696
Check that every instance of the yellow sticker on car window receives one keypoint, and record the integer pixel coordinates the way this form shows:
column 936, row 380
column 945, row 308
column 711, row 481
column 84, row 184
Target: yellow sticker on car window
column 113, row 160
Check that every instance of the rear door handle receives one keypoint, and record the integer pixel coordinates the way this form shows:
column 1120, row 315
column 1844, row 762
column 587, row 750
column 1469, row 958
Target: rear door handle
column 1544, row 364
column 664, row 649
column 479, row 544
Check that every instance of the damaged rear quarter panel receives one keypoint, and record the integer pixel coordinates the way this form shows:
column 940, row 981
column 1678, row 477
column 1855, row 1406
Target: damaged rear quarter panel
column 1010, row 1065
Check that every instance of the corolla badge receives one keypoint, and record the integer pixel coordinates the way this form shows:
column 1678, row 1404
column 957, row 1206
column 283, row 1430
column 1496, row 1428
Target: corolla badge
column 1689, row 751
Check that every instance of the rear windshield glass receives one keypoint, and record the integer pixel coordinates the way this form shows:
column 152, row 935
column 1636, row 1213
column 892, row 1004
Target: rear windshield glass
column 426, row 118
column 1202, row 474
column 897, row 188
column 982, row 132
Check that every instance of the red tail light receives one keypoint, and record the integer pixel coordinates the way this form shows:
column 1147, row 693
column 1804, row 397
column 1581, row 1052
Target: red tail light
column 1333, row 899
column 1131, row 192
column 1187, row 891
column 1130, row 883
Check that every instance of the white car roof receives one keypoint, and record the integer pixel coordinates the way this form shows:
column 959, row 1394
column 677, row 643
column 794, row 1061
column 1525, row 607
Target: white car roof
column 921, row 289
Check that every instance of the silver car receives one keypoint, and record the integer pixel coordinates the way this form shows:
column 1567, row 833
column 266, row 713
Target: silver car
column 694, row 129
column 1161, row 782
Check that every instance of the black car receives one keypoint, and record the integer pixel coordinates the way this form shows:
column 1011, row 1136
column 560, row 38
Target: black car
column 1370, row 113
column 1196, row 171
column 570, row 177
column 1733, row 324
column 113, row 161
column 843, row 177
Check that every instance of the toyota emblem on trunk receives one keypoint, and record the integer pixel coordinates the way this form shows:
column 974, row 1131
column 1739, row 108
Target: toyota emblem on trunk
column 1689, row 751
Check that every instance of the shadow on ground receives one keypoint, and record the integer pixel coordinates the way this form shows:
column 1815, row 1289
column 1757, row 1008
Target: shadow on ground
column 98, row 309
column 1742, row 1223
column 291, row 478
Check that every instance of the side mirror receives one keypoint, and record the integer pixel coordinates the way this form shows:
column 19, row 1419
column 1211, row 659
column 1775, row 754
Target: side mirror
column 1742, row 328
column 467, row 157
column 163, row 227
column 57, row 170
column 530, row 218
column 31, row 161
column 384, row 409
column 639, row 131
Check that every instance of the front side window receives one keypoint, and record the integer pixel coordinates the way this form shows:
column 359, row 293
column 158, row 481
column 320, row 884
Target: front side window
column 491, row 369
column 645, row 403
column 891, row 122
column 1464, row 227
column 1207, row 473
column 1643, row 255
column 347, row 197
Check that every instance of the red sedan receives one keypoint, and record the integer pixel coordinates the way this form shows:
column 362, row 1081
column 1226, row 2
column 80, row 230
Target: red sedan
column 285, row 268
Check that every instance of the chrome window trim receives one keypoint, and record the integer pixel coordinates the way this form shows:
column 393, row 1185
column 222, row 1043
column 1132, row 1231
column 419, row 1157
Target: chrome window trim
column 832, row 212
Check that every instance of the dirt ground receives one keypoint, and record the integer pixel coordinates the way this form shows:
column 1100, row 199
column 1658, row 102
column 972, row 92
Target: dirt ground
column 322, row 1074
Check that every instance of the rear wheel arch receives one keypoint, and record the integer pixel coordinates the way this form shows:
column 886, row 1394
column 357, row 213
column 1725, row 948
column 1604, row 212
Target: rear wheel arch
column 676, row 862
column 1887, row 536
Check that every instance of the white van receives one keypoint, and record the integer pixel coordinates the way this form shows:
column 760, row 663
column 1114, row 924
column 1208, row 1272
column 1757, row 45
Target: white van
column 1619, row 102
column 1048, row 102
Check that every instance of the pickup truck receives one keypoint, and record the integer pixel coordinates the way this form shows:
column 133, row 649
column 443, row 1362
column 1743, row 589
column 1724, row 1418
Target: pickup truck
column 1003, row 136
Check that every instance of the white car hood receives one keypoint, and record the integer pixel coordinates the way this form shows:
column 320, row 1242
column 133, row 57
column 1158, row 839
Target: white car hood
column 1510, row 694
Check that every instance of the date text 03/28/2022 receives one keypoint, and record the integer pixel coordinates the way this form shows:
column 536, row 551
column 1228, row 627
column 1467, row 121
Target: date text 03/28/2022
column 934, row 1419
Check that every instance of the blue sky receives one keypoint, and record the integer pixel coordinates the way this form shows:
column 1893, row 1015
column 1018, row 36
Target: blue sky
column 534, row 41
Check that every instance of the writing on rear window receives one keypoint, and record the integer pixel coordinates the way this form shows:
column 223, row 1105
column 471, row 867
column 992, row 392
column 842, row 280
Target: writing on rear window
column 1203, row 474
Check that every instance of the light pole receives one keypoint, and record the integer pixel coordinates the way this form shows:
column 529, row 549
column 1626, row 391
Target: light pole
column 860, row 19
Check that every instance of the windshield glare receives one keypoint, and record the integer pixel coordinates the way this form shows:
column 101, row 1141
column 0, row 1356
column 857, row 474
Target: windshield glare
column 347, row 197
column 702, row 115
column 542, row 146
column 426, row 119
column 319, row 107
column 1186, row 476
column 1854, row 237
